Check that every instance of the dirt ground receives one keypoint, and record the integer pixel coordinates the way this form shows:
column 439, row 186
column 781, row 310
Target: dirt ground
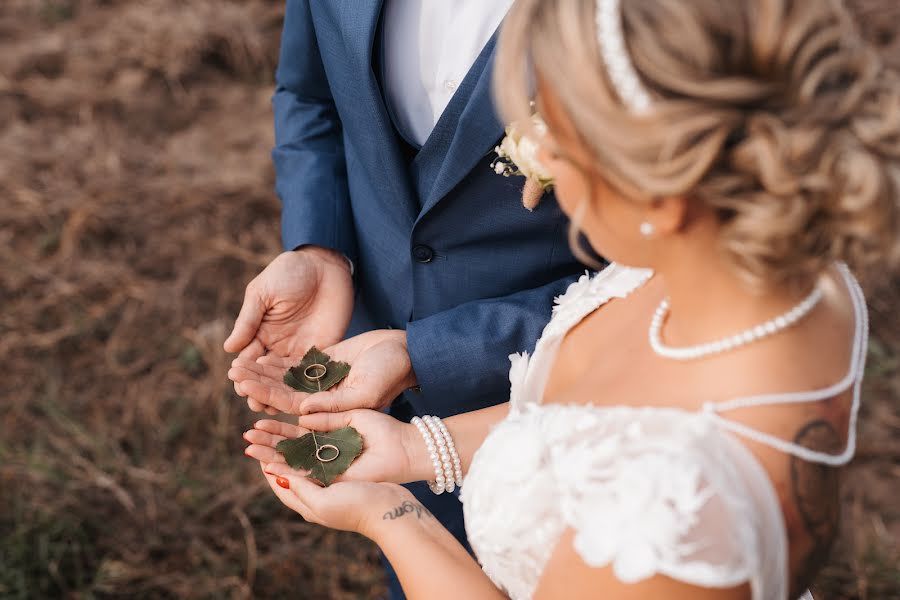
column 135, row 203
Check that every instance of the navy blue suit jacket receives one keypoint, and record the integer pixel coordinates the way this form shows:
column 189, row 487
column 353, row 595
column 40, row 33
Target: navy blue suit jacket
column 441, row 244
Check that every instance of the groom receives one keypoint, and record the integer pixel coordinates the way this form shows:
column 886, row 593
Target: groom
column 385, row 130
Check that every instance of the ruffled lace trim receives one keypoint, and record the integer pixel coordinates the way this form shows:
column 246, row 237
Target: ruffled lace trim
column 528, row 375
column 635, row 484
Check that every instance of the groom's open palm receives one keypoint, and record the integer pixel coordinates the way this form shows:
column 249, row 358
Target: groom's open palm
column 302, row 298
column 380, row 370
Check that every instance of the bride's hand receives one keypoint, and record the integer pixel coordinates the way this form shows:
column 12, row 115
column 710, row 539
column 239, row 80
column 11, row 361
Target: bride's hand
column 392, row 451
column 350, row 505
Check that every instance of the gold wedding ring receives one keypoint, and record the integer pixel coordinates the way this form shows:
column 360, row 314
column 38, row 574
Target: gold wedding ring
column 318, row 370
column 337, row 452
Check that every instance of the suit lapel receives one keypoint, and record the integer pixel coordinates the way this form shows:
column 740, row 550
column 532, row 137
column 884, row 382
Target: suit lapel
column 377, row 146
column 466, row 131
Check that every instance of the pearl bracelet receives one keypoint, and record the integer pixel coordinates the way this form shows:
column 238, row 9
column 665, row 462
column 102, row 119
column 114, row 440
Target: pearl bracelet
column 443, row 454
column 454, row 455
column 443, row 451
column 437, row 486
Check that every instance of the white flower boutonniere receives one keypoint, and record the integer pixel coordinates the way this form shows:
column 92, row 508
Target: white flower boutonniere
column 517, row 155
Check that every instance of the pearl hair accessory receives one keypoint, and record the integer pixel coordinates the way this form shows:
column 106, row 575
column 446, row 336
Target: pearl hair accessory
column 647, row 229
column 437, row 486
column 733, row 342
column 619, row 68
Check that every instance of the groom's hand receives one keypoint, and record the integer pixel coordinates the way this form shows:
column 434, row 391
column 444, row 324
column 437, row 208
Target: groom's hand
column 303, row 298
column 380, row 369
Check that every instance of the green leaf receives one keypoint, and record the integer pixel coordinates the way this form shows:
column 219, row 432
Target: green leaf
column 300, row 453
column 297, row 378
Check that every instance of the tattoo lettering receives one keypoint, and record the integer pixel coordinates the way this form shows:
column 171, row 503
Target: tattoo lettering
column 815, row 490
column 405, row 509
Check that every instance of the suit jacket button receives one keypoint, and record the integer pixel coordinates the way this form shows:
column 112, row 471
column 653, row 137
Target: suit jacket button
column 423, row 253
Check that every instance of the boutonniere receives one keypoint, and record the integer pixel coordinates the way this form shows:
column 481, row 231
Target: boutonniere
column 517, row 155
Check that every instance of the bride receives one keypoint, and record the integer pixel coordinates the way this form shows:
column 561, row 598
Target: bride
column 679, row 428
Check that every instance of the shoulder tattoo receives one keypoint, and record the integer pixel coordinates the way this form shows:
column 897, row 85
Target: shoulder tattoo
column 815, row 491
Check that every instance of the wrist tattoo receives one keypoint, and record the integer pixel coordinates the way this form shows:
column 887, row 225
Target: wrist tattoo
column 407, row 508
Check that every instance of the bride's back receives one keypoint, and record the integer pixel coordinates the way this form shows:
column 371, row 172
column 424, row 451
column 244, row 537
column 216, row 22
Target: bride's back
column 605, row 360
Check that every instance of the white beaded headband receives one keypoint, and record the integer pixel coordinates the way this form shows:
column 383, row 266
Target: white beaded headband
column 619, row 68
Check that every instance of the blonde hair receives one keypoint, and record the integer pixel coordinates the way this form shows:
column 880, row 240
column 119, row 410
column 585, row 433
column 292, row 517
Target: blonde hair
column 772, row 113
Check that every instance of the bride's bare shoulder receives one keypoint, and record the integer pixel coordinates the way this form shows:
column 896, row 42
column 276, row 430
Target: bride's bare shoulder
column 816, row 353
column 824, row 353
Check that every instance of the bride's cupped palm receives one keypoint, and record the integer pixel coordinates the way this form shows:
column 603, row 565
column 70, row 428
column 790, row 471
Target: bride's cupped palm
column 385, row 455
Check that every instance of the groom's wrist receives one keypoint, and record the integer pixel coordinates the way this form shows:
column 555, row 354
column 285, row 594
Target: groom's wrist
column 408, row 382
column 329, row 255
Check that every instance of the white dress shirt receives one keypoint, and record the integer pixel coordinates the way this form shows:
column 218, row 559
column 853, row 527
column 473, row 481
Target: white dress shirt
column 429, row 46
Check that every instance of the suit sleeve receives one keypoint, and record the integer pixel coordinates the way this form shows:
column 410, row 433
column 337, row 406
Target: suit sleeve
column 310, row 165
column 461, row 356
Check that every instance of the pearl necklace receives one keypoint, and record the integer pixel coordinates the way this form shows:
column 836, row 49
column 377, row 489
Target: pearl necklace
column 753, row 334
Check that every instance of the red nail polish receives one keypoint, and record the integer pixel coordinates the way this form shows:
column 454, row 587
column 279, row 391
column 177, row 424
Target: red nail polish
column 283, row 482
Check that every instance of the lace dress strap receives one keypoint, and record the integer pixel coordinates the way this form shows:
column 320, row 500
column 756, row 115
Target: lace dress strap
column 529, row 374
column 852, row 379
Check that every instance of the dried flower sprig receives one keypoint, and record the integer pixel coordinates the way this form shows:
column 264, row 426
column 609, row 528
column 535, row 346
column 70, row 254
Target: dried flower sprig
column 517, row 156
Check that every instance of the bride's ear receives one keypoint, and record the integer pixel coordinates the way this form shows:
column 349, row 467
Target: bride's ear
column 668, row 216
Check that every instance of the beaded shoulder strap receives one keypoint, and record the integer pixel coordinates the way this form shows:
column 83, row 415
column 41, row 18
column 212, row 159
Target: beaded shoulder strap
column 852, row 379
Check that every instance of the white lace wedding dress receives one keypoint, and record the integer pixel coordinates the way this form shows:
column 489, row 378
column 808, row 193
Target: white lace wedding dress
column 645, row 490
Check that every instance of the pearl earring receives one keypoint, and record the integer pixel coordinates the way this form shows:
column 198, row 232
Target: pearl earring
column 647, row 229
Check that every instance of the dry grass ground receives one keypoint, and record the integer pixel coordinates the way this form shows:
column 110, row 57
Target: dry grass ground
column 135, row 203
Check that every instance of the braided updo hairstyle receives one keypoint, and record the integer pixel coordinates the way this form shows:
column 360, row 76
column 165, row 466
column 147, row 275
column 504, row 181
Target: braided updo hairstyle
column 775, row 114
